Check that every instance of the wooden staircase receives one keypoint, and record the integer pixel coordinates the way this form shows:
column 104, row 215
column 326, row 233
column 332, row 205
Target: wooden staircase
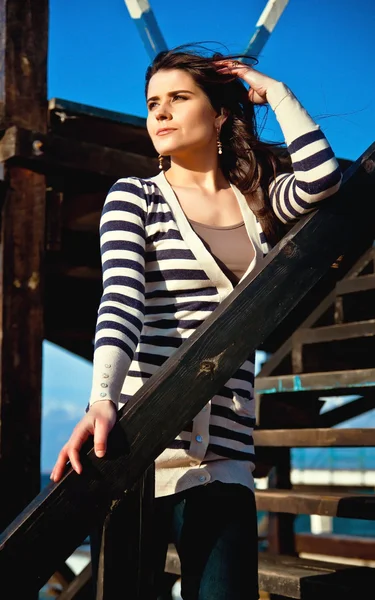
column 332, row 353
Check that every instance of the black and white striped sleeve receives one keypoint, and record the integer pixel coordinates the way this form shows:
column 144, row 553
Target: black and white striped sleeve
column 121, row 310
column 316, row 172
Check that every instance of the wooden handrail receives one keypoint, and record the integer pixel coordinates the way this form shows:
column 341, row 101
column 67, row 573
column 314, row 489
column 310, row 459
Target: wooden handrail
column 61, row 516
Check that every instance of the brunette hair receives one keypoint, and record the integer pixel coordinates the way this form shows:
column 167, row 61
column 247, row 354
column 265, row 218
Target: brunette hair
column 246, row 161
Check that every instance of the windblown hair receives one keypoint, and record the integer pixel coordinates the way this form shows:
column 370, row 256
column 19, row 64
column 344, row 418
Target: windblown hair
column 246, row 161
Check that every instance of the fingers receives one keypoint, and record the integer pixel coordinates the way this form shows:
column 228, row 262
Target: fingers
column 60, row 464
column 102, row 429
column 71, row 450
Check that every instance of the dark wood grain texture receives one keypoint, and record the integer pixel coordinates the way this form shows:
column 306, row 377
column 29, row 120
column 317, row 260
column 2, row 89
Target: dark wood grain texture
column 187, row 380
column 23, row 64
column 21, row 326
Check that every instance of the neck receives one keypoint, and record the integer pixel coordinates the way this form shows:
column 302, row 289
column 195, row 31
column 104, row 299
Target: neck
column 198, row 171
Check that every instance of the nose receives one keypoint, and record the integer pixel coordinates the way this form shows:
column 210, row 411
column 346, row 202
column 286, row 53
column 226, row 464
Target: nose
column 162, row 113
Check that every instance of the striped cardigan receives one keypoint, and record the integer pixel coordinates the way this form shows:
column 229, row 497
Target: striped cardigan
column 160, row 283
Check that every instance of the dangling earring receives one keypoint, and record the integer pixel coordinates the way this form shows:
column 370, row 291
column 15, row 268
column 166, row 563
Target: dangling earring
column 219, row 144
column 160, row 158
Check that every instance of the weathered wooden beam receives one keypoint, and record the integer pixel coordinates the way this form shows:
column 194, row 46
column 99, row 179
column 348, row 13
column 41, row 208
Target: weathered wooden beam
column 21, row 327
column 23, row 103
column 23, row 64
column 315, row 438
column 174, row 395
column 50, row 153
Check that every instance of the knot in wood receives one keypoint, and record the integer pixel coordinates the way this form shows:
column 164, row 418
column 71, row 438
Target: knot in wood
column 289, row 249
column 207, row 366
column 210, row 365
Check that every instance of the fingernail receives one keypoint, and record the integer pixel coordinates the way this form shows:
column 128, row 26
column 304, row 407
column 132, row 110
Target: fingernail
column 100, row 453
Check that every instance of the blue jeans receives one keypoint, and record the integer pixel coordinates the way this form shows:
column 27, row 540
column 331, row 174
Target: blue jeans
column 214, row 529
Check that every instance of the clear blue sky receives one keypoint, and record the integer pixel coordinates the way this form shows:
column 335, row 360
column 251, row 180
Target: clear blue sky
column 324, row 51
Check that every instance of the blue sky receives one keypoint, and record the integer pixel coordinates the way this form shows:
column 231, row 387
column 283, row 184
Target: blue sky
column 322, row 50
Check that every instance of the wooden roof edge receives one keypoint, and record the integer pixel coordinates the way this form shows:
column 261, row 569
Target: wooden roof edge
column 76, row 108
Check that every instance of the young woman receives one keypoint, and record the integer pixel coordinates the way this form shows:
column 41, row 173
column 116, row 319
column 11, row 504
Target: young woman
column 173, row 247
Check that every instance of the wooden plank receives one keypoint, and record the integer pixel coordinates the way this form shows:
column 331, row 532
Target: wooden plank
column 329, row 333
column 46, row 152
column 308, row 579
column 358, row 284
column 341, row 546
column 182, row 386
column 350, row 380
column 23, row 64
column 315, row 438
column 360, row 506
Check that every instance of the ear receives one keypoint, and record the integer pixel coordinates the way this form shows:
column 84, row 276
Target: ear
column 221, row 117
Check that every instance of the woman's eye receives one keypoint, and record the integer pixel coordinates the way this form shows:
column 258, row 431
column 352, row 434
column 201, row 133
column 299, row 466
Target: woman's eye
column 178, row 96
column 151, row 105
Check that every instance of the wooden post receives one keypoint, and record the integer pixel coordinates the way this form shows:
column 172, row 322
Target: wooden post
column 122, row 547
column 23, row 102
column 281, row 525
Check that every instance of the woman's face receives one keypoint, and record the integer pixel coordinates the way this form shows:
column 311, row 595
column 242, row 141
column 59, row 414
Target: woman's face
column 180, row 117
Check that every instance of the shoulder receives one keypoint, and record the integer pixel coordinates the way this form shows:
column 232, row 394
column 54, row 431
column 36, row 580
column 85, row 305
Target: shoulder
column 142, row 188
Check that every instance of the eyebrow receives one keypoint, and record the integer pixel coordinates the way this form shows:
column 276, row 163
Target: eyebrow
column 170, row 94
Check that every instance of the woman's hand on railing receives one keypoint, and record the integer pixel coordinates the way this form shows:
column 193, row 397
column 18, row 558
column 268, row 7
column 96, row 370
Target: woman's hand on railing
column 98, row 421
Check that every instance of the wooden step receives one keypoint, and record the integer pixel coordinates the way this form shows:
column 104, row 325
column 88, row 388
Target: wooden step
column 307, row 579
column 355, row 284
column 344, row 346
column 355, row 300
column 302, row 578
column 333, row 544
column 336, row 382
column 314, row 438
column 330, row 333
column 331, row 504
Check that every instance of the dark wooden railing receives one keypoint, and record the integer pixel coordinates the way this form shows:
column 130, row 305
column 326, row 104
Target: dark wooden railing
column 63, row 514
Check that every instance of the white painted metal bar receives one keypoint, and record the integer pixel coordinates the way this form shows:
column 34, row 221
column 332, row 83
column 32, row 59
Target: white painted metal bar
column 265, row 25
column 148, row 28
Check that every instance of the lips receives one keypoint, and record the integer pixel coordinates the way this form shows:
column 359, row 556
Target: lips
column 165, row 131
